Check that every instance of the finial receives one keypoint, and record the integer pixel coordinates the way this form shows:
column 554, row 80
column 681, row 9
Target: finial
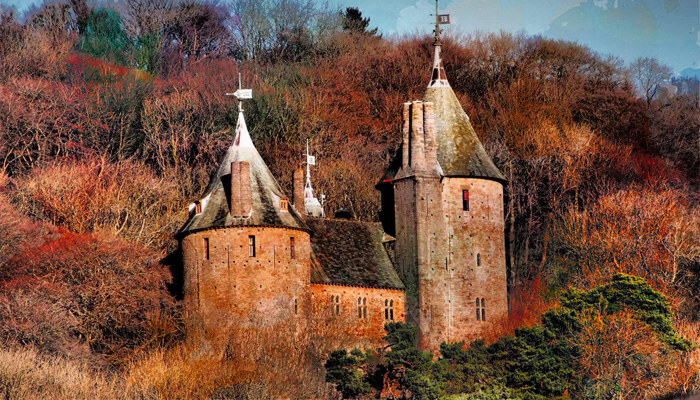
column 241, row 94
column 242, row 138
column 311, row 204
column 439, row 79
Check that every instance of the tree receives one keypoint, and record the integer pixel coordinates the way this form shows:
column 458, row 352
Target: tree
column 649, row 73
column 104, row 36
column 354, row 23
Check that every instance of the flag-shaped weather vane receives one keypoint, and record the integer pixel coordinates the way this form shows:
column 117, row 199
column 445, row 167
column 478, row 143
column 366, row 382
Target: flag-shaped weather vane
column 440, row 19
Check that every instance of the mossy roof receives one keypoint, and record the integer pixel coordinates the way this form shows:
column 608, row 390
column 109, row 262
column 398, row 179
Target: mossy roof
column 265, row 192
column 351, row 253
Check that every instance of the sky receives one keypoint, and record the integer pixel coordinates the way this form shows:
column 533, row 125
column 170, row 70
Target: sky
column 666, row 29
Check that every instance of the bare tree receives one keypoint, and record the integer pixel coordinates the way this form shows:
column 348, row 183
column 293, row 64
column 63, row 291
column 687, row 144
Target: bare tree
column 649, row 73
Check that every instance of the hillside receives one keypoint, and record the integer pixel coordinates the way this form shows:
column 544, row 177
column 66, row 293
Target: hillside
column 111, row 121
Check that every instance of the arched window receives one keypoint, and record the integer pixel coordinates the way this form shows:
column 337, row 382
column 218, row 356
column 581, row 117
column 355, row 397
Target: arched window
column 335, row 304
column 480, row 309
column 389, row 310
column 361, row 308
column 478, row 259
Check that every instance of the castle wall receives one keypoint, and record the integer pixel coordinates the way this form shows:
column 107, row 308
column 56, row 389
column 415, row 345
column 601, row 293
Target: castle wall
column 437, row 245
column 234, row 290
column 342, row 319
column 476, row 233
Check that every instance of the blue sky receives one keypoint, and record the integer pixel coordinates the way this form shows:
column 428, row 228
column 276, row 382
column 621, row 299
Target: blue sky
column 666, row 29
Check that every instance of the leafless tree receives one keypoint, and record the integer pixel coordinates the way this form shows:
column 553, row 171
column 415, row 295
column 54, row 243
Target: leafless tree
column 649, row 73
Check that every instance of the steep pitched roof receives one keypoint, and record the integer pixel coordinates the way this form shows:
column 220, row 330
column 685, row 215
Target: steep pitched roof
column 351, row 253
column 265, row 192
column 459, row 152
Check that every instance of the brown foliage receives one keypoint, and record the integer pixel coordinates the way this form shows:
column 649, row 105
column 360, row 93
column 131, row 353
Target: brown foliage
column 122, row 199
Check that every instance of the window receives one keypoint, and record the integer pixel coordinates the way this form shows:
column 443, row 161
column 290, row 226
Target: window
column 478, row 259
column 335, row 305
column 206, row 248
column 480, row 309
column 291, row 248
column 361, row 308
column 296, row 306
column 284, row 205
column 251, row 246
column 389, row 310
column 198, row 207
column 465, row 200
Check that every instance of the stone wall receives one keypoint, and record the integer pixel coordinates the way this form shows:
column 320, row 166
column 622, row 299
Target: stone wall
column 362, row 325
column 230, row 289
column 476, row 256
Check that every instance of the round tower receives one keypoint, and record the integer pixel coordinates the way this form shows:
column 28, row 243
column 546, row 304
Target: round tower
column 246, row 251
column 442, row 199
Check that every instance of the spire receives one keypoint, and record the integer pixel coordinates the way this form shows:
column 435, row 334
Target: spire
column 243, row 191
column 311, row 204
column 439, row 78
column 242, row 138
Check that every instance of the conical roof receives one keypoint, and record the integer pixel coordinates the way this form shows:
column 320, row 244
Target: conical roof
column 459, row 152
column 265, row 192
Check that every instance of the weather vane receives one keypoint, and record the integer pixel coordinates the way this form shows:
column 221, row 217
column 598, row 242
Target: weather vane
column 440, row 19
column 241, row 94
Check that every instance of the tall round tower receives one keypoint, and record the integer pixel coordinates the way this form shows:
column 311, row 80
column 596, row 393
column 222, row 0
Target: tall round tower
column 246, row 251
column 442, row 198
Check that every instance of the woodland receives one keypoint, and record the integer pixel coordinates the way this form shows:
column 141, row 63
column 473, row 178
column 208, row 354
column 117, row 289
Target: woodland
column 113, row 115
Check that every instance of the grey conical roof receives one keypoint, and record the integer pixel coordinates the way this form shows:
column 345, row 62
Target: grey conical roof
column 265, row 192
column 460, row 153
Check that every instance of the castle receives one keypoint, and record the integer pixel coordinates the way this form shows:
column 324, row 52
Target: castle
column 254, row 257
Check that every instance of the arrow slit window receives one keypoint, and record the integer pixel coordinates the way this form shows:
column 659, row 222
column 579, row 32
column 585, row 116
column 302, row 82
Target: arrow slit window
column 465, row 200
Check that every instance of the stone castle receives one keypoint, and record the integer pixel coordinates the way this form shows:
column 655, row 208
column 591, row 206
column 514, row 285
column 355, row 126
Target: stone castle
column 254, row 257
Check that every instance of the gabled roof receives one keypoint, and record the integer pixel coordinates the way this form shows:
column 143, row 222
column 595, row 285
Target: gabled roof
column 351, row 253
column 265, row 192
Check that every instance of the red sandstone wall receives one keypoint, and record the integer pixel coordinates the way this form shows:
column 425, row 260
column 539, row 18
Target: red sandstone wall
column 437, row 246
column 361, row 332
column 477, row 231
column 234, row 291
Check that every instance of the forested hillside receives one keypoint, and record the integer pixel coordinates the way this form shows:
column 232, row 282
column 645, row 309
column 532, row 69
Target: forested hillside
column 112, row 117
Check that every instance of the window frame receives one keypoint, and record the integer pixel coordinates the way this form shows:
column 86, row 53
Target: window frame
column 252, row 251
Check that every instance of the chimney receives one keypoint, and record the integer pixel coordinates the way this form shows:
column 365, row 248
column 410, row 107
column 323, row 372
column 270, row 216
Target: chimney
column 417, row 137
column 241, row 196
column 406, row 132
column 298, row 191
column 430, row 139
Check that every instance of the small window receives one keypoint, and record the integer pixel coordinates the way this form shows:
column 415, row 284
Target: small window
column 198, row 207
column 335, row 305
column 284, row 205
column 478, row 259
column 465, row 200
column 296, row 306
column 206, row 248
column 292, row 255
column 389, row 310
column 251, row 246
column 362, row 308
column 480, row 309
